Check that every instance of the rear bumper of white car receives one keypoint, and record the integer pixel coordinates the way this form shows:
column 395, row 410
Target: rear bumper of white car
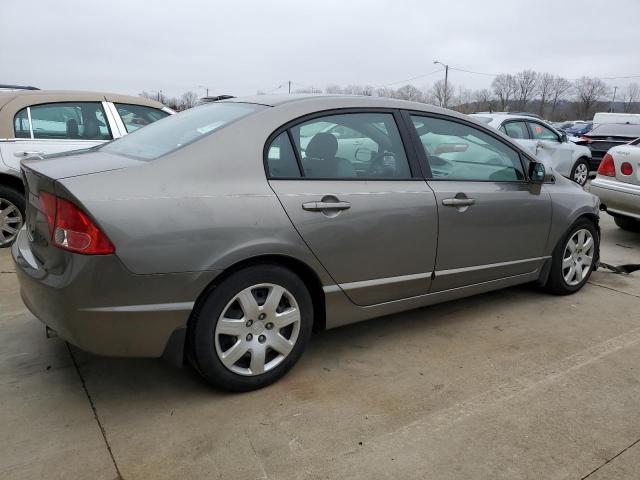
column 619, row 198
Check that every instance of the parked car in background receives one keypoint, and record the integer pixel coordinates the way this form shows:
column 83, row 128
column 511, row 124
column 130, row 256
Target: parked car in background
column 548, row 144
column 36, row 123
column 618, row 185
column 562, row 126
column 217, row 232
column 611, row 117
column 578, row 128
column 606, row 136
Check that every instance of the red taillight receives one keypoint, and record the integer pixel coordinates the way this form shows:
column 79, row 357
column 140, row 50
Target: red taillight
column 607, row 167
column 626, row 168
column 71, row 229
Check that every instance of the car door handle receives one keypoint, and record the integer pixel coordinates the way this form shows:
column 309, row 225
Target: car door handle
column 458, row 202
column 27, row 153
column 320, row 206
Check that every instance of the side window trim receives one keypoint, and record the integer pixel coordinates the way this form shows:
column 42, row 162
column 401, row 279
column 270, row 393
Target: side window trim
column 114, row 118
column 30, row 122
column 411, row 154
column 484, row 130
column 296, row 153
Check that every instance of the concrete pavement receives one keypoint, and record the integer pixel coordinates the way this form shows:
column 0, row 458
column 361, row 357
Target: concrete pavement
column 513, row 384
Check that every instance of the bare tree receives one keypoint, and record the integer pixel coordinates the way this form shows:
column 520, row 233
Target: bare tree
column 560, row 89
column 630, row 97
column 483, row 99
column 441, row 95
column 409, row 92
column 311, row 89
column 188, row 99
column 333, row 89
column 526, row 82
column 385, row 92
column 464, row 101
column 504, row 86
column 545, row 83
column 589, row 91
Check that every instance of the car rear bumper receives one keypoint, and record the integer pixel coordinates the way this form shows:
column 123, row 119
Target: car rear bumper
column 96, row 304
column 619, row 198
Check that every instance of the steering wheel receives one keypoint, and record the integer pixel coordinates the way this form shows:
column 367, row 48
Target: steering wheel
column 384, row 165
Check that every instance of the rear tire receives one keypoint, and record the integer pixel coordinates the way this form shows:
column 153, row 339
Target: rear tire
column 251, row 328
column 573, row 258
column 627, row 223
column 12, row 215
column 580, row 171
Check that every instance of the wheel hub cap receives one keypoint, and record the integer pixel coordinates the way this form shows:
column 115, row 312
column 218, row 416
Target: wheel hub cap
column 242, row 340
column 577, row 259
column 10, row 221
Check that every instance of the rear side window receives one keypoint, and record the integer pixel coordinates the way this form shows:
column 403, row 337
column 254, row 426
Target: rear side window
column 540, row 132
column 176, row 131
column 21, row 124
column 65, row 121
column 281, row 159
column 515, row 129
column 351, row 146
column 456, row 151
column 136, row 116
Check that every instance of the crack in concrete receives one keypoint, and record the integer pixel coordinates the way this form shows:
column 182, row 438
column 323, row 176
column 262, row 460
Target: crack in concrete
column 610, row 460
column 613, row 289
column 95, row 413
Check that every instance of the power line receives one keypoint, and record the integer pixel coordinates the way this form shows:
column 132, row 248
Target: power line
column 412, row 78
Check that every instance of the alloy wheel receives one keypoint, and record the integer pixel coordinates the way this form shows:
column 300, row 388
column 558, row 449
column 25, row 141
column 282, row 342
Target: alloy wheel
column 10, row 221
column 257, row 329
column 577, row 259
column 581, row 174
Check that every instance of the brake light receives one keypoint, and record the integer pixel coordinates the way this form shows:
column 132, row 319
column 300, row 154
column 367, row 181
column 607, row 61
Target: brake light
column 626, row 168
column 607, row 167
column 71, row 229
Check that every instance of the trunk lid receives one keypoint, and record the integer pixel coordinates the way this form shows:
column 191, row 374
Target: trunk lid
column 42, row 175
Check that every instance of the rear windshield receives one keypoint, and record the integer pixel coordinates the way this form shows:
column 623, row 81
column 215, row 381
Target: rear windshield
column 178, row 130
column 616, row 129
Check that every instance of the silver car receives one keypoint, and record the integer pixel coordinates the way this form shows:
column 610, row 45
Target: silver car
column 226, row 234
column 618, row 185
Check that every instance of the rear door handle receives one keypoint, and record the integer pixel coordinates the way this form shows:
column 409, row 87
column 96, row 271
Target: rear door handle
column 320, row 206
column 458, row 202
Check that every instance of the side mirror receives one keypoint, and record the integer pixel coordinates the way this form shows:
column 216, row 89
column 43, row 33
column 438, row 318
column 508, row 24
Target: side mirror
column 536, row 172
column 563, row 137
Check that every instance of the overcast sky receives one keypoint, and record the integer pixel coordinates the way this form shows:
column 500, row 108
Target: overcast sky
column 239, row 47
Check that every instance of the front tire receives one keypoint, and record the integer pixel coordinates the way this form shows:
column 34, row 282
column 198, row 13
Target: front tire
column 12, row 208
column 627, row 223
column 251, row 328
column 580, row 172
column 573, row 258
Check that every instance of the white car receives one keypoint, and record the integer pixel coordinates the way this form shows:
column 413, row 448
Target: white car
column 549, row 145
column 618, row 185
column 34, row 123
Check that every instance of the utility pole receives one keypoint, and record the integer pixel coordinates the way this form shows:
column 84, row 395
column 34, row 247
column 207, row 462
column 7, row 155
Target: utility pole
column 289, row 82
column 446, row 80
column 615, row 88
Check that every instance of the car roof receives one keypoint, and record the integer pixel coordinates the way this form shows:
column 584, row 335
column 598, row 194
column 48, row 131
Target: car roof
column 11, row 102
column 320, row 102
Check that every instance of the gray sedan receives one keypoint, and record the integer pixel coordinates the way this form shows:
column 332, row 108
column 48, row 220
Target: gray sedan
column 227, row 233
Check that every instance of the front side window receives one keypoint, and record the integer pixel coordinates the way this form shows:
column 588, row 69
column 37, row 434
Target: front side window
column 515, row 129
column 176, row 131
column 136, row 116
column 456, row 151
column 540, row 132
column 351, row 145
column 66, row 121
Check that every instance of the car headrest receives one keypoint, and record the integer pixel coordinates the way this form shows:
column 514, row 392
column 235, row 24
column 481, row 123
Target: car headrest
column 322, row 145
